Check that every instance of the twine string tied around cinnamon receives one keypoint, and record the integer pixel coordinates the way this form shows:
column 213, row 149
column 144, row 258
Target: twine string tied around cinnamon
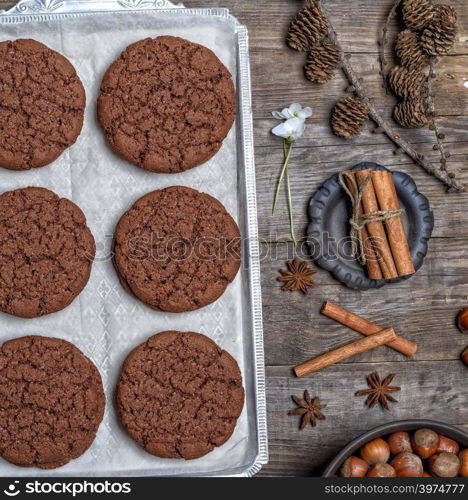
column 359, row 221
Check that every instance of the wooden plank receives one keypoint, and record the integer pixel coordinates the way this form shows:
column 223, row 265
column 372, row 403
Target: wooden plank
column 291, row 85
column 423, row 309
column 310, row 167
column 430, row 391
column 317, row 132
column 354, row 151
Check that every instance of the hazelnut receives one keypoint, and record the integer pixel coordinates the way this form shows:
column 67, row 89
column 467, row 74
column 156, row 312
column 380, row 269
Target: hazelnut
column 464, row 356
column 463, row 456
column 381, row 470
column 425, row 442
column 375, row 451
column 462, row 320
column 426, row 474
column 444, row 464
column 399, row 442
column 407, row 465
column 354, row 467
column 448, row 445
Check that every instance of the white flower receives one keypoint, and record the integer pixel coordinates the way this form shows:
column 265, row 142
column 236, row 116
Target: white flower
column 294, row 111
column 290, row 129
column 293, row 126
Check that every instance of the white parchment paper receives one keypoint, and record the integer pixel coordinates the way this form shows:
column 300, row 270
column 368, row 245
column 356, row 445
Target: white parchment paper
column 104, row 321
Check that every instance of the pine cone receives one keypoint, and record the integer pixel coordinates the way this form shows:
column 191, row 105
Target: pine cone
column 412, row 113
column 417, row 14
column 348, row 117
column 309, row 27
column 409, row 51
column 438, row 38
column 406, row 83
column 322, row 62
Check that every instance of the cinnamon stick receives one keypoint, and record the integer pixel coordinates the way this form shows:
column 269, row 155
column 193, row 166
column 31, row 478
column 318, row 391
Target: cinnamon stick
column 376, row 229
column 388, row 200
column 345, row 352
column 372, row 263
column 361, row 325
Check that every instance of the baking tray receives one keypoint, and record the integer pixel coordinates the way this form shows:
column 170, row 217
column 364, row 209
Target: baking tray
column 104, row 321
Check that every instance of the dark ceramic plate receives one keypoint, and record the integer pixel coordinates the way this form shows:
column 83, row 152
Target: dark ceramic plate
column 328, row 231
column 404, row 425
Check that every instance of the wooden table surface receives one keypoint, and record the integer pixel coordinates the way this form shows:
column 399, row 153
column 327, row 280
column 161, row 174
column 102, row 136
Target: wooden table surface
column 423, row 309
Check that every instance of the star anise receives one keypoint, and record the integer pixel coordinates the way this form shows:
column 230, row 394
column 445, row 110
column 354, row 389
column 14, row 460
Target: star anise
column 379, row 391
column 309, row 409
column 297, row 277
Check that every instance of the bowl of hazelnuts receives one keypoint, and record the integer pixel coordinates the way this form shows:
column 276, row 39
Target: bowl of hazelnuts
column 409, row 448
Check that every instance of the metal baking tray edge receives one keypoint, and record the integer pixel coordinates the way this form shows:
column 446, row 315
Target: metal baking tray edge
column 27, row 10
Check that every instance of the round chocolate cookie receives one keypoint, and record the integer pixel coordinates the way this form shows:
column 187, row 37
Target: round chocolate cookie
column 46, row 252
column 166, row 104
column 42, row 104
column 179, row 395
column 51, row 402
column 177, row 249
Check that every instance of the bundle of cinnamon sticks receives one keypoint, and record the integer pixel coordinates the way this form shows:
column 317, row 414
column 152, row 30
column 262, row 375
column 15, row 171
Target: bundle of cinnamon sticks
column 384, row 243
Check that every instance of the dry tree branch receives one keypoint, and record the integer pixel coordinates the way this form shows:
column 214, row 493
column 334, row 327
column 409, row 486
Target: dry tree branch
column 383, row 43
column 439, row 146
column 383, row 125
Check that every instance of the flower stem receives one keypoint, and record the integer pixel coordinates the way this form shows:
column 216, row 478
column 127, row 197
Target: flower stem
column 290, row 207
column 287, row 156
